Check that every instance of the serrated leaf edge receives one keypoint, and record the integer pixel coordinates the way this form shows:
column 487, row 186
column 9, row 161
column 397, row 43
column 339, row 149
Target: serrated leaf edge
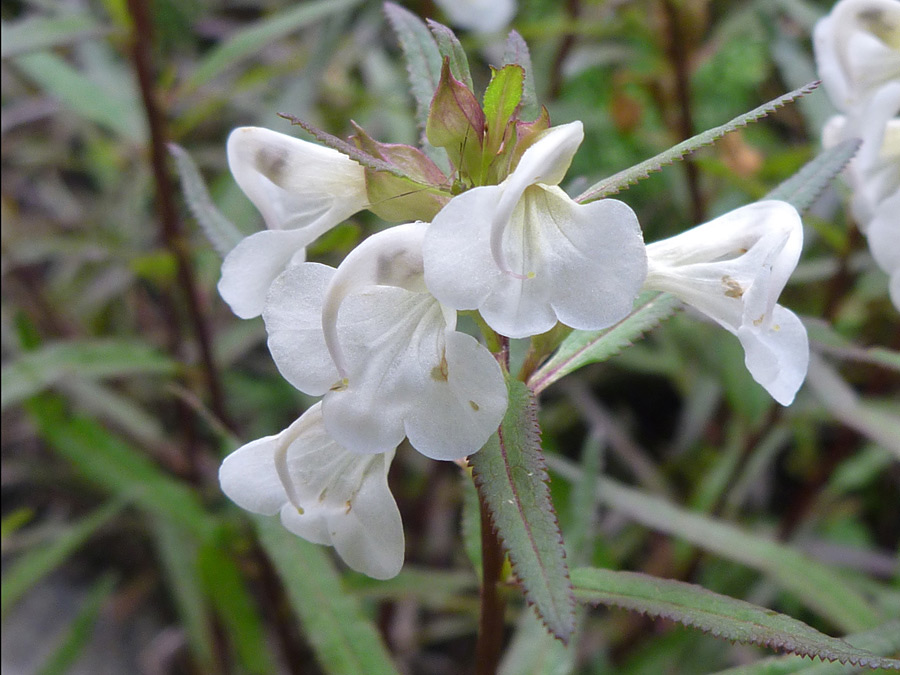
column 623, row 179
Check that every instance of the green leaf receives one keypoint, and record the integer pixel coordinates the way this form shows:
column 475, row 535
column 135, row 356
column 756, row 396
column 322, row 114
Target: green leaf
column 81, row 630
column 114, row 110
column 344, row 640
column 179, row 565
column 31, row 567
column 818, row 586
column 804, row 187
column 450, row 48
column 233, row 601
column 261, row 34
column 720, row 615
column 510, row 475
column 583, row 347
column 221, row 232
column 533, row 651
column 35, row 371
column 623, row 179
column 38, row 33
column 501, row 99
column 883, row 641
column 118, row 468
column 516, row 53
column 423, row 57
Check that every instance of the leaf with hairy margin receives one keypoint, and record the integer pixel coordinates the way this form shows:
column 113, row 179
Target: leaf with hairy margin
column 582, row 347
column 510, row 474
column 450, row 48
column 623, row 179
column 804, row 187
column 221, row 232
column 719, row 615
column 516, row 53
column 423, row 57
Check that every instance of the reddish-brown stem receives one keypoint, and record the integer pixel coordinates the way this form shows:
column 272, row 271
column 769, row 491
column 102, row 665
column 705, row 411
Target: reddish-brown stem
column 490, row 622
column 170, row 228
column 678, row 56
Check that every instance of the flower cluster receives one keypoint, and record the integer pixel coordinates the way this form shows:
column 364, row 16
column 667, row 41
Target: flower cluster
column 857, row 50
column 376, row 337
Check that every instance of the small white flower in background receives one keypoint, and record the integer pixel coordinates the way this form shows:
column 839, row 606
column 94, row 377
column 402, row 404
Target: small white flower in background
column 302, row 190
column 884, row 242
column 733, row 269
column 323, row 493
column 384, row 352
column 480, row 16
column 874, row 174
column 857, row 49
column 525, row 255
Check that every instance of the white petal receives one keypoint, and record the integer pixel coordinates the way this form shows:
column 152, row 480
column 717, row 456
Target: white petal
column 409, row 375
column 386, row 333
column 251, row 267
column 342, row 499
column 545, row 162
column 580, row 264
column 777, row 357
column 293, row 317
column 458, row 408
column 392, row 257
column 249, row 478
column 293, row 183
column 884, row 242
column 459, row 269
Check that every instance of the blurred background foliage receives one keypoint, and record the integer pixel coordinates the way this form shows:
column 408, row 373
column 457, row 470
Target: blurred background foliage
column 126, row 379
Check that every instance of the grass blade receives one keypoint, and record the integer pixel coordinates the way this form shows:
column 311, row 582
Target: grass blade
column 345, row 641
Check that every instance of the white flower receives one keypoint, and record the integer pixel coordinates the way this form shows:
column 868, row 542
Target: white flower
column 874, row 174
column 302, row 190
column 884, row 242
column 857, row 50
column 384, row 352
column 733, row 269
column 324, row 493
column 525, row 255
column 480, row 16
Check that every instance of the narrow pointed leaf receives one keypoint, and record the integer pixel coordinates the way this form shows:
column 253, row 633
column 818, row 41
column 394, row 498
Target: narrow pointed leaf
column 818, row 586
column 720, row 615
column 36, row 33
column 517, row 53
column 221, row 232
column 501, row 100
column 510, row 474
column 623, row 179
column 347, row 148
column 423, row 58
column 236, row 607
column 251, row 40
column 35, row 371
column 450, row 48
column 29, row 568
column 583, row 347
column 883, row 641
column 802, row 189
column 80, row 631
column 344, row 640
